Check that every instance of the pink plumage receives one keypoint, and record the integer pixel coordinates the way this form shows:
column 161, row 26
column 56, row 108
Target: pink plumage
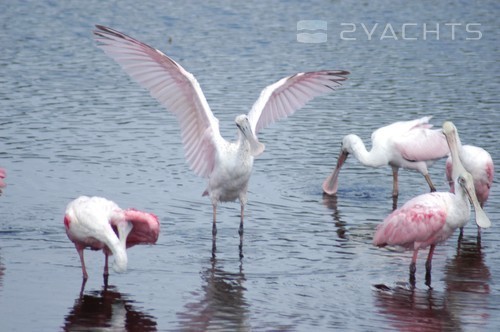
column 479, row 163
column 403, row 144
column 100, row 224
column 3, row 174
column 419, row 223
column 430, row 219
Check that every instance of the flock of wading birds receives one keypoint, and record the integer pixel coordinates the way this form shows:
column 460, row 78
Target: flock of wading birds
column 425, row 220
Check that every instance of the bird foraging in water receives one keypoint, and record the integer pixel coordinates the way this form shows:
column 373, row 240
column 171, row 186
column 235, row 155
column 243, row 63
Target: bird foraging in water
column 478, row 163
column 99, row 224
column 431, row 218
column 407, row 144
column 227, row 165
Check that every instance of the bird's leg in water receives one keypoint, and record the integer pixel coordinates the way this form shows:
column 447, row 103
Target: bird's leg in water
column 395, row 185
column 429, row 182
column 105, row 275
column 82, row 261
column 428, row 265
column 214, row 222
column 413, row 268
column 214, row 230
column 240, row 230
column 460, row 235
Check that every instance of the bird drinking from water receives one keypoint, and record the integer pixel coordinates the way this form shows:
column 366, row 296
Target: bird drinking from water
column 407, row 144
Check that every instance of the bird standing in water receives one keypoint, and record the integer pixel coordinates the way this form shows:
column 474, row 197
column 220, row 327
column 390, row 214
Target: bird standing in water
column 99, row 224
column 227, row 165
column 479, row 164
column 431, row 218
column 407, row 144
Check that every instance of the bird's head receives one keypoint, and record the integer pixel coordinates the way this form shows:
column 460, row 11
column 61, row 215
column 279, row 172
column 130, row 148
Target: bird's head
column 350, row 143
column 246, row 133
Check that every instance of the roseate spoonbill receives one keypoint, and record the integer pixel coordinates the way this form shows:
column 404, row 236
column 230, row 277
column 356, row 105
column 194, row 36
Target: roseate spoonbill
column 407, row 144
column 476, row 161
column 3, row 174
column 431, row 218
column 98, row 223
column 227, row 165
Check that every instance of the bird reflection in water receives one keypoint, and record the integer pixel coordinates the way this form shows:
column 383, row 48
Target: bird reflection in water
column 331, row 203
column 412, row 309
column 467, row 280
column 107, row 309
column 463, row 304
column 222, row 304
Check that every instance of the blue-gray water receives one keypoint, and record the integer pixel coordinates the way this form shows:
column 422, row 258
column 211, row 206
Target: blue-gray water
column 72, row 123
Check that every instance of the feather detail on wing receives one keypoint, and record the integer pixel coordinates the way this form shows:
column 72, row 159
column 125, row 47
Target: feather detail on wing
column 415, row 223
column 422, row 144
column 281, row 99
column 175, row 88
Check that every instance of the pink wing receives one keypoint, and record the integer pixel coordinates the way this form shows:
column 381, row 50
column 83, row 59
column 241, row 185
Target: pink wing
column 146, row 227
column 175, row 88
column 420, row 220
column 281, row 99
column 422, row 144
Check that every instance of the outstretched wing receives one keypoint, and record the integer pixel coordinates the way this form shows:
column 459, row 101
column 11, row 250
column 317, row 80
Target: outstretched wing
column 175, row 88
column 281, row 99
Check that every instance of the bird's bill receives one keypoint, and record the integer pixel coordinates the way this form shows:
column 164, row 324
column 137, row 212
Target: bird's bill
column 482, row 219
column 450, row 132
column 256, row 147
column 330, row 185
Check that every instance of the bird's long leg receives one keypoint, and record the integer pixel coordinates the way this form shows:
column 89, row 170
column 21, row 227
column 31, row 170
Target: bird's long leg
column 242, row 211
column 460, row 235
column 214, row 230
column 413, row 267
column 429, row 182
column 428, row 265
column 395, row 184
column 105, row 275
column 82, row 261
column 214, row 221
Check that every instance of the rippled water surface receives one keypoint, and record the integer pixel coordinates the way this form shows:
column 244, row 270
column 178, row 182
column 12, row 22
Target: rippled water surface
column 72, row 123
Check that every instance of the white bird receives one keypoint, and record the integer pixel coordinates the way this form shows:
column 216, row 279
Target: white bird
column 407, row 144
column 98, row 223
column 227, row 165
column 478, row 163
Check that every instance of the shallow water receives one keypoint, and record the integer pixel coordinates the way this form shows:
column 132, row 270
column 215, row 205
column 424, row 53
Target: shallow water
column 72, row 123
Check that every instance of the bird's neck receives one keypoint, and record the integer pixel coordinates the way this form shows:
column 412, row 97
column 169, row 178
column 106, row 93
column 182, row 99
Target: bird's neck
column 372, row 158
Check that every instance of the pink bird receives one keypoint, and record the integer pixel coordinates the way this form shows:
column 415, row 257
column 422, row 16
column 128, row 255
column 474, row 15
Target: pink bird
column 227, row 165
column 3, row 174
column 431, row 218
column 479, row 163
column 98, row 223
column 407, row 144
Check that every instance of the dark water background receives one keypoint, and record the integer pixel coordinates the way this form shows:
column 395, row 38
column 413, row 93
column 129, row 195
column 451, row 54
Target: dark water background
column 72, row 123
